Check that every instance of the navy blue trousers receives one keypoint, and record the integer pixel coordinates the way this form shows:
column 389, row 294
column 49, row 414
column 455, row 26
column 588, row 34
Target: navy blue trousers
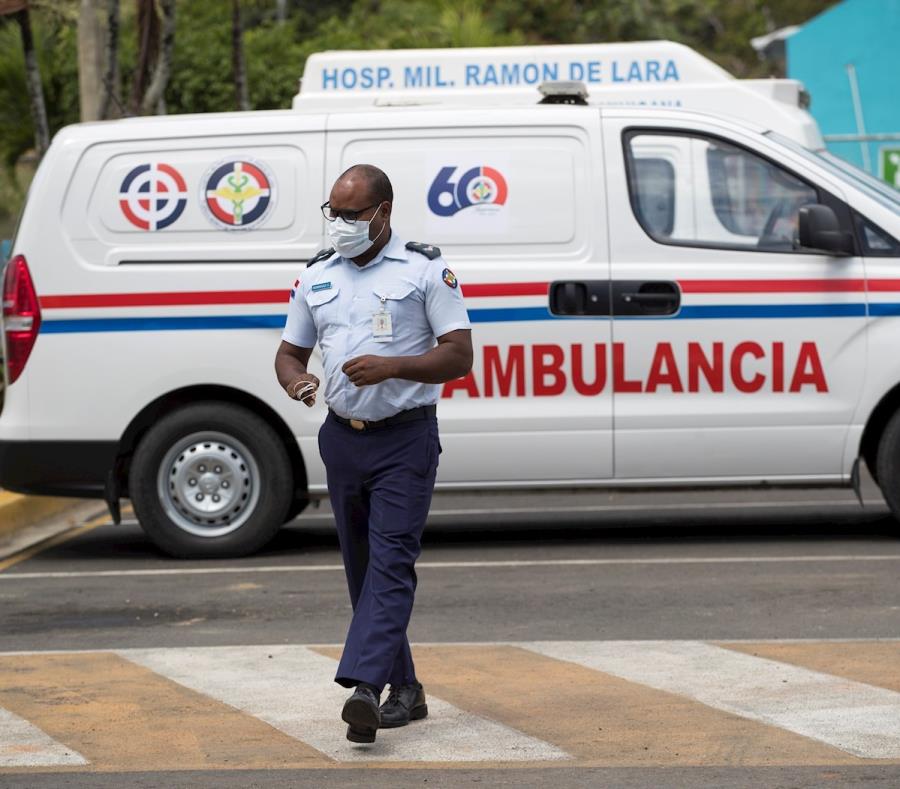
column 380, row 483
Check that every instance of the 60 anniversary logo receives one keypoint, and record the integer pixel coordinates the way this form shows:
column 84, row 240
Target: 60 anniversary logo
column 479, row 186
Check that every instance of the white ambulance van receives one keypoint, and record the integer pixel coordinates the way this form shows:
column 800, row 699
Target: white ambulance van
column 669, row 281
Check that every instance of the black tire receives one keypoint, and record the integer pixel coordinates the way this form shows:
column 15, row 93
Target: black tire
column 238, row 467
column 888, row 464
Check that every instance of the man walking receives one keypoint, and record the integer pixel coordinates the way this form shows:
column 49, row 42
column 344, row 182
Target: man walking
column 391, row 324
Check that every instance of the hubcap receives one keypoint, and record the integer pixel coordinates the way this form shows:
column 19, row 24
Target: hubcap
column 208, row 484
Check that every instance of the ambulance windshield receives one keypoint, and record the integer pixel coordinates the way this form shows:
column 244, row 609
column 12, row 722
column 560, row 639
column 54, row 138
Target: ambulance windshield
column 873, row 187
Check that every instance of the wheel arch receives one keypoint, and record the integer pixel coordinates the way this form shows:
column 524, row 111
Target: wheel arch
column 177, row 398
column 875, row 425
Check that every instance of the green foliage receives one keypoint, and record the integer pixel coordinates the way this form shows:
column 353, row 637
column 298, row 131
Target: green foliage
column 201, row 79
column 401, row 24
column 274, row 57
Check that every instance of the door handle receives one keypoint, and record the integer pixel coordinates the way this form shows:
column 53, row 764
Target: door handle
column 580, row 297
column 645, row 298
column 649, row 298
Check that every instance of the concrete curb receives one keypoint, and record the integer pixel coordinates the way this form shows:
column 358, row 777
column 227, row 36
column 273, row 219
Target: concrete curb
column 19, row 512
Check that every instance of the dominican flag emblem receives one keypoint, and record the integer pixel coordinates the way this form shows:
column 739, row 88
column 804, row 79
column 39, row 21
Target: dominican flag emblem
column 153, row 196
column 238, row 194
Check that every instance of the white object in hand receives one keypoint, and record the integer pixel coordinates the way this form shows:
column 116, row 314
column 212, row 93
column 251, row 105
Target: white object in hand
column 302, row 392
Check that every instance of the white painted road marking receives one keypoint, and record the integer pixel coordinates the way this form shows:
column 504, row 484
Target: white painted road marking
column 314, row 568
column 857, row 718
column 294, row 691
column 23, row 744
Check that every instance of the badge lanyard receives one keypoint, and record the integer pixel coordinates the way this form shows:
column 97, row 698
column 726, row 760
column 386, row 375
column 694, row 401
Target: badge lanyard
column 382, row 330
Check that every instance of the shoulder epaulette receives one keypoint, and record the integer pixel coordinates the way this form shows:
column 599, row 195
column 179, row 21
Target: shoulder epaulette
column 429, row 250
column 322, row 254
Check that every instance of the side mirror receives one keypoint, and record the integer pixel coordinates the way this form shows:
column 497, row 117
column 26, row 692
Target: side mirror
column 818, row 228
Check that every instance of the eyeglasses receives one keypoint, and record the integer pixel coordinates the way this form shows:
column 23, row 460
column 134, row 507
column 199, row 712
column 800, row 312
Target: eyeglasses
column 348, row 216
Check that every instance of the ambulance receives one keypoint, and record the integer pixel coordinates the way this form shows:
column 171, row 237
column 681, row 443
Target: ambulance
column 670, row 282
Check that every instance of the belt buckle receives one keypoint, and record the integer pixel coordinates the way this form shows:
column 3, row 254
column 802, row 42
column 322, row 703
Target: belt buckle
column 357, row 424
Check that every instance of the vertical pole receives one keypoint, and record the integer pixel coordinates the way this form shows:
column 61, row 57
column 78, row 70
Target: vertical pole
column 858, row 112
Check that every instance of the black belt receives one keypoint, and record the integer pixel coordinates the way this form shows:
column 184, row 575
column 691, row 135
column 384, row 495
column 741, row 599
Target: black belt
column 412, row 415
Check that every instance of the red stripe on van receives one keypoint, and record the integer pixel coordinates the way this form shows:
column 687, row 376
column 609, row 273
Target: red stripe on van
column 884, row 285
column 772, row 285
column 166, row 299
column 506, row 289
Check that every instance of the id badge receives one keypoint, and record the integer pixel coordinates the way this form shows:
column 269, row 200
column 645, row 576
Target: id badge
column 382, row 330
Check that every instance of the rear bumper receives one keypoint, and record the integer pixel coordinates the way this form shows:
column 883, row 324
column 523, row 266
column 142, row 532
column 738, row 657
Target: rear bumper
column 57, row 468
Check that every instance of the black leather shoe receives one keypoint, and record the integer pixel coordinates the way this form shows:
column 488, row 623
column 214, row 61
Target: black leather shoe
column 404, row 704
column 362, row 716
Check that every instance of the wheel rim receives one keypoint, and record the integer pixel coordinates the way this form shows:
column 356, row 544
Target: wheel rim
column 208, row 484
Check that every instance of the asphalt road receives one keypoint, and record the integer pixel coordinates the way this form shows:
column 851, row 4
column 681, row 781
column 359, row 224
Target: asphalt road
column 637, row 594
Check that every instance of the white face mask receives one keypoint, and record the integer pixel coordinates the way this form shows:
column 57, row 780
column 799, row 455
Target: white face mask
column 351, row 240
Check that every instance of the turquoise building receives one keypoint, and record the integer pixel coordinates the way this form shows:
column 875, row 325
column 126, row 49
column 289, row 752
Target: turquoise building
column 848, row 57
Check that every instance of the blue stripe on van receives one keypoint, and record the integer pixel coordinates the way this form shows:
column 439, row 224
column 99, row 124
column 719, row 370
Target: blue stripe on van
column 773, row 311
column 695, row 312
column 164, row 323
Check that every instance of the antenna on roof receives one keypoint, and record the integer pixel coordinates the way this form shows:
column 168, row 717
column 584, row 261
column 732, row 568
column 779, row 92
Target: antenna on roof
column 563, row 92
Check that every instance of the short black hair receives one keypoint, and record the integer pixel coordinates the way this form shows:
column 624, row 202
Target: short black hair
column 380, row 187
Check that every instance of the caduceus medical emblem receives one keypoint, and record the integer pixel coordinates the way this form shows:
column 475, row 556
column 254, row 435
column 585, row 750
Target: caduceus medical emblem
column 238, row 194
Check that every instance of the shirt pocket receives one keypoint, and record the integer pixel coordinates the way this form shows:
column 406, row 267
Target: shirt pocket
column 401, row 295
column 399, row 301
column 324, row 306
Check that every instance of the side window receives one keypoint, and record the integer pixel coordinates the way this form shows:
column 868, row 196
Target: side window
column 691, row 189
column 655, row 187
column 875, row 241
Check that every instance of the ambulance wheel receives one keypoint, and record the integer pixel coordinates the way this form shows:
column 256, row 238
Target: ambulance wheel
column 887, row 464
column 211, row 480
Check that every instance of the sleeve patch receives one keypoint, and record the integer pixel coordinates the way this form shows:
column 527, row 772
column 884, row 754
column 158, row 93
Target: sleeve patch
column 450, row 279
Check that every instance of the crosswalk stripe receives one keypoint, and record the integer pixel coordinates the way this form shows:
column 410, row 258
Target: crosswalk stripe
column 24, row 745
column 875, row 663
column 601, row 719
column 120, row 716
column 857, row 718
column 292, row 688
column 611, row 704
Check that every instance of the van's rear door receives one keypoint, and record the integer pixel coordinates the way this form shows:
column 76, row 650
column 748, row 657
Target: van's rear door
column 512, row 199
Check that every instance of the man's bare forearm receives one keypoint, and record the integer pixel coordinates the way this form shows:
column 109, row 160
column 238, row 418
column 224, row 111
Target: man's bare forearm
column 290, row 364
column 442, row 363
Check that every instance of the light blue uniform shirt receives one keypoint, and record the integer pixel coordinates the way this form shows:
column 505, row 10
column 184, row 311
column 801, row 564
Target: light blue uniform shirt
column 334, row 305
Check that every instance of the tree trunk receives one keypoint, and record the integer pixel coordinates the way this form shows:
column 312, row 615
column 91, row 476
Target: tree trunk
column 154, row 98
column 33, row 83
column 111, row 106
column 242, row 97
column 148, row 45
column 90, row 63
column 281, row 11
